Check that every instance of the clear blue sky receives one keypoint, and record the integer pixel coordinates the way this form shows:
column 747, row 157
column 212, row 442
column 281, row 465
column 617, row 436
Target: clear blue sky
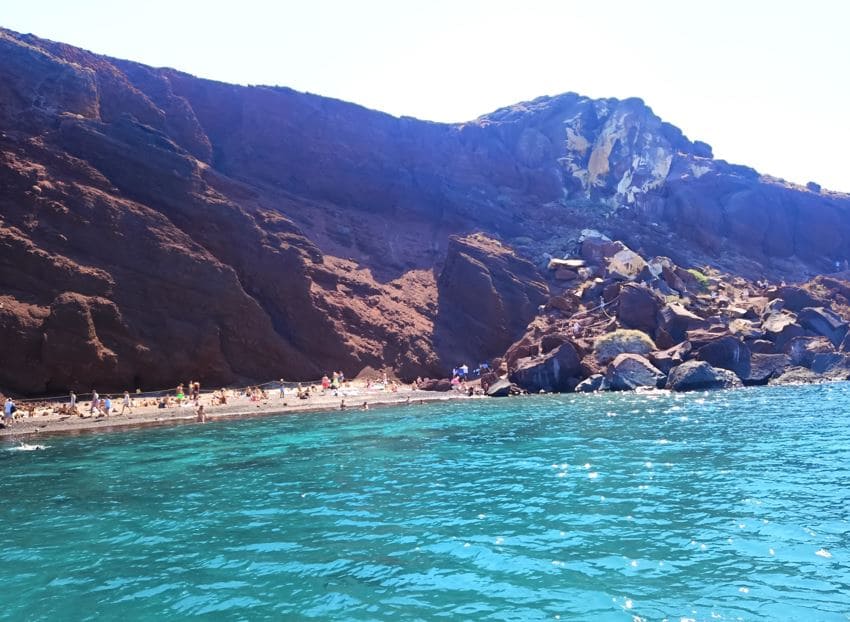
column 764, row 82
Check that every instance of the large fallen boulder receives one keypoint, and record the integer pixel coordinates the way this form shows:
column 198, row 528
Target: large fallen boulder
column 630, row 371
column 764, row 367
column 556, row 371
column 625, row 265
column 795, row 298
column 780, row 328
column 700, row 375
column 727, row 353
column 436, row 384
column 797, row 375
column 665, row 360
column 676, row 321
column 802, row 350
column 638, row 308
column 591, row 385
column 823, row 322
column 500, row 388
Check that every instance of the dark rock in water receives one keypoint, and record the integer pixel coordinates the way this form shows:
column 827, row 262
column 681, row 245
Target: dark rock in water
column 727, row 353
column 556, row 371
column 590, row 385
column 802, row 350
column 796, row 298
column 797, row 375
column 436, row 384
column 699, row 375
column 676, row 321
column 500, row 388
column 638, row 308
column 763, row 367
column 823, row 322
column 665, row 360
column 630, row 371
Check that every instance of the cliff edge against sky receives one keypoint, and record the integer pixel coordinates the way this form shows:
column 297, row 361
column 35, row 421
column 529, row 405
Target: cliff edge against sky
column 157, row 227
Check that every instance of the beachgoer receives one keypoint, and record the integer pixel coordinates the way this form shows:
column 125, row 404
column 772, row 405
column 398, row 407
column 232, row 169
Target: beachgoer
column 95, row 402
column 8, row 411
column 126, row 403
column 365, row 406
column 326, row 383
column 342, row 405
column 72, row 406
column 107, row 405
column 282, row 389
column 201, row 415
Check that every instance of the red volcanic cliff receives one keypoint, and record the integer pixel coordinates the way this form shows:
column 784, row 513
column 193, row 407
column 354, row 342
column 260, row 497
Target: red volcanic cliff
column 156, row 227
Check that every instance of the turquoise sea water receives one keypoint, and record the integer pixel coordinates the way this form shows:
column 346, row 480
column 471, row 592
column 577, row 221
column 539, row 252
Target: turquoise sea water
column 716, row 506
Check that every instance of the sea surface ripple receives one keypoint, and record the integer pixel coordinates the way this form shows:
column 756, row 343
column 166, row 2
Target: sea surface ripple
column 731, row 505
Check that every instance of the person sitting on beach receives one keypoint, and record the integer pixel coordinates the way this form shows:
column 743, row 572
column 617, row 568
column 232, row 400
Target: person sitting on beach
column 326, row 383
column 162, row 402
column 200, row 415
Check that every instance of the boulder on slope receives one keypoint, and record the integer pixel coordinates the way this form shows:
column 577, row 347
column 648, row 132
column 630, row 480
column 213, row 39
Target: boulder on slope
column 630, row 371
column 700, row 375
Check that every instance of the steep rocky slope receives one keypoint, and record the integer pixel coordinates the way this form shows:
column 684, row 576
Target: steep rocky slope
column 156, row 227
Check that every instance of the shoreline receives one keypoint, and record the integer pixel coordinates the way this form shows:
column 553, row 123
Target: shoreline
column 242, row 408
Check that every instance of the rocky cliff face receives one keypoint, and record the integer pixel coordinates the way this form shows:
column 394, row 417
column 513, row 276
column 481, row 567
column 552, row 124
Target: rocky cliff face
column 156, row 227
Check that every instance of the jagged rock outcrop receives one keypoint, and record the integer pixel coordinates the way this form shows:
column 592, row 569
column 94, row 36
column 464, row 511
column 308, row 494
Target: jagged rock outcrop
column 630, row 371
column 699, row 376
column 180, row 228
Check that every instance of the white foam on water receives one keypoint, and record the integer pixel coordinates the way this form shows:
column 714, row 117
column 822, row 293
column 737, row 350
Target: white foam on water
column 628, row 604
column 771, row 551
column 593, row 475
column 586, row 465
column 562, row 474
column 648, row 465
column 663, row 441
column 744, row 590
column 823, row 553
column 28, row 447
column 500, row 540
column 482, row 516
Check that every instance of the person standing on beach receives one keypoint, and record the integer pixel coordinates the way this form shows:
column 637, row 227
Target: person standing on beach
column 107, row 405
column 8, row 411
column 201, row 416
column 94, row 402
column 72, row 406
column 126, row 403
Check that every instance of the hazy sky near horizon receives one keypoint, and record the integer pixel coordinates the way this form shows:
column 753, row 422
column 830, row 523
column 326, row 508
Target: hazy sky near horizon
column 764, row 82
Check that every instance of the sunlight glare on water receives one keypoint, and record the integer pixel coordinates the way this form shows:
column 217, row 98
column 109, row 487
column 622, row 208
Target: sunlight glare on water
column 714, row 506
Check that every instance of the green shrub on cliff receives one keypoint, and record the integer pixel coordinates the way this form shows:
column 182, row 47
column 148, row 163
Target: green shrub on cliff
column 607, row 347
column 700, row 277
